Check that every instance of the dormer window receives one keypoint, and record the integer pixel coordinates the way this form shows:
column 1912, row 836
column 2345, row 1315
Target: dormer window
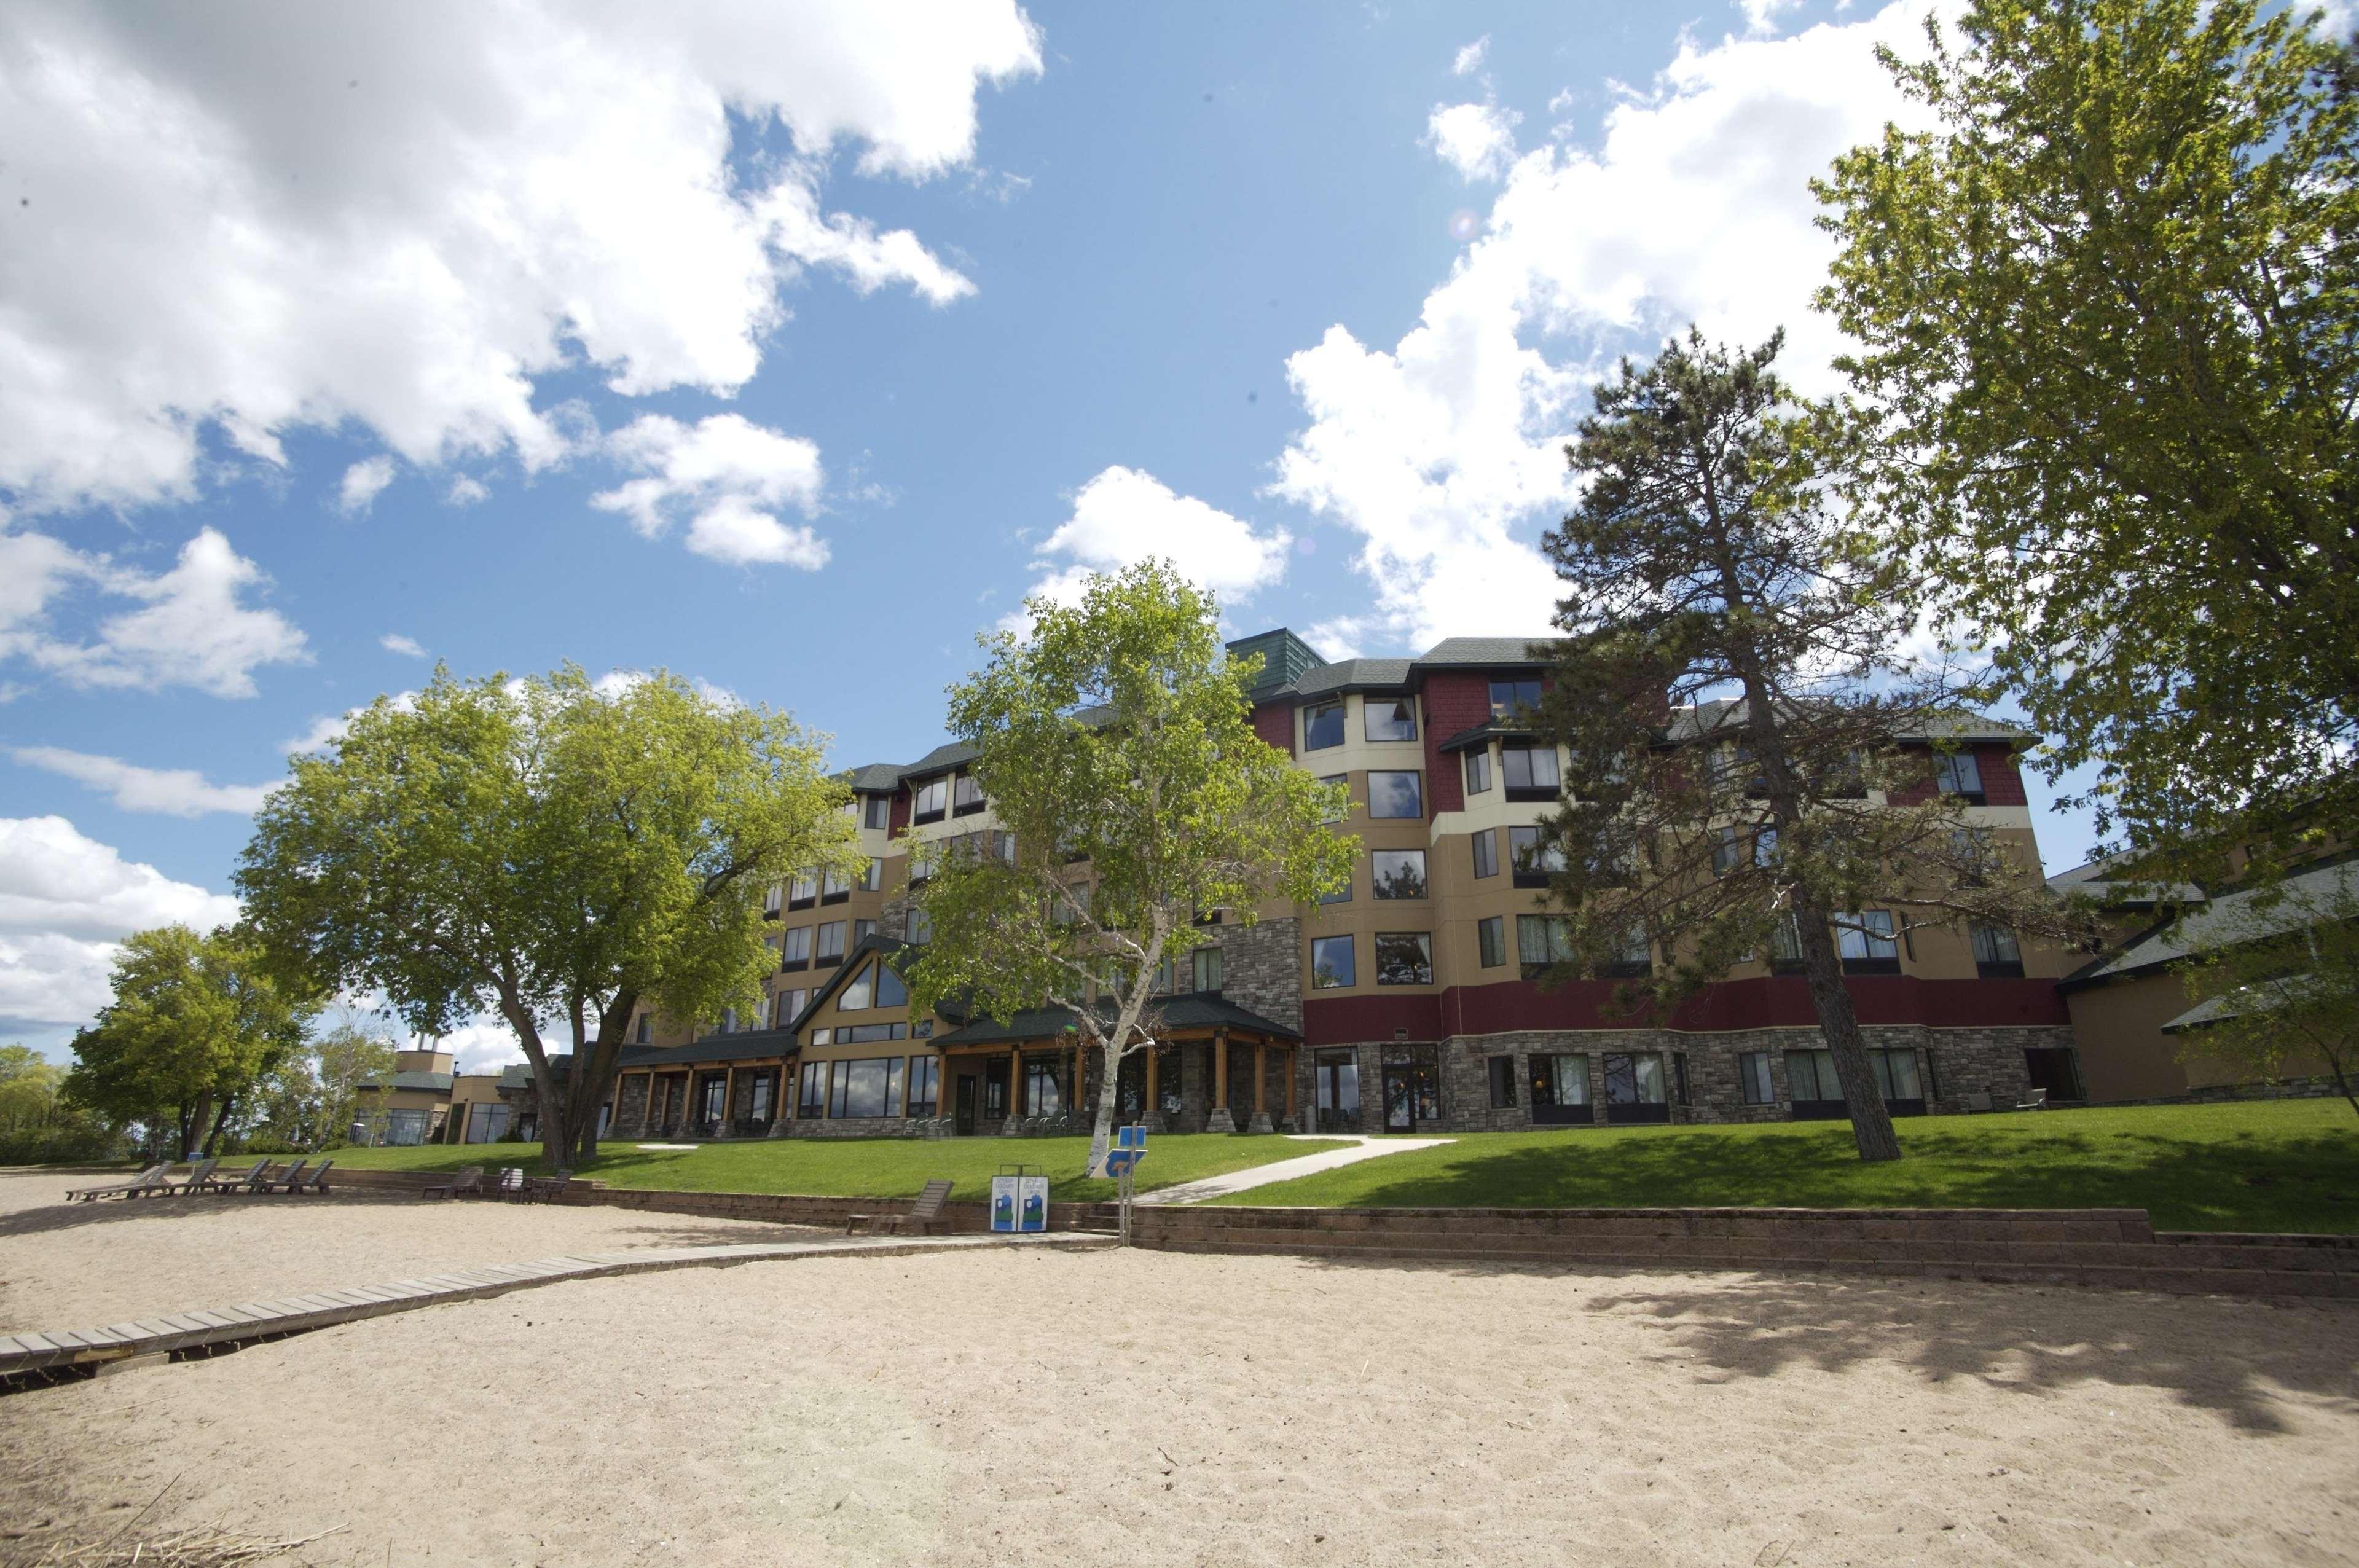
column 929, row 802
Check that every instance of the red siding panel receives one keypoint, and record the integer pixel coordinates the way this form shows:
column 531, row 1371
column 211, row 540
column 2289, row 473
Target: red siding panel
column 1770, row 1002
column 2001, row 779
column 1274, row 721
column 1344, row 1020
column 900, row 816
column 1453, row 702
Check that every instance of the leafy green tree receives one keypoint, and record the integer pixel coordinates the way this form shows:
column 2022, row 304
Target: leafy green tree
column 344, row 1058
column 29, row 1083
column 195, row 1021
column 550, row 849
column 1733, row 696
column 2109, row 311
column 1116, row 748
column 2279, row 982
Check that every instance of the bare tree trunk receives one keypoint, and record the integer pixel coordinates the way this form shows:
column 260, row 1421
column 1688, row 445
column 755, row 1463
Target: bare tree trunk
column 1102, row 1130
column 1871, row 1124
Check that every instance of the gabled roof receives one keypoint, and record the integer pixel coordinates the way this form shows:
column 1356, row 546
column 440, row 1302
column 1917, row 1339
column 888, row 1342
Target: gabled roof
column 1697, row 721
column 2111, row 879
column 430, row 1081
column 2232, row 916
column 1353, row 675
column 1189, row 1009
column 1495, row 651
column 874, row 778
column 890, row 947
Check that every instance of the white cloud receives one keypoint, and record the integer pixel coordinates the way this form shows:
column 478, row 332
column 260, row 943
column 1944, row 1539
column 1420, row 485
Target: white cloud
column 195, row 627
column 465, row 492
column 1445, row 452
column 1761, row 16
column 1124, row 517
column 364, row 482
column 485, row 1045
column 1478, row 140
column 1470, row 58
column 408, row 646
column 252, row 222
column 64, row 901
column 171, row 792
column 329, row 728
column 727, row 477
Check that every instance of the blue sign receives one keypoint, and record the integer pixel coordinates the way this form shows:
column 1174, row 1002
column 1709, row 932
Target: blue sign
column 1129, row 1149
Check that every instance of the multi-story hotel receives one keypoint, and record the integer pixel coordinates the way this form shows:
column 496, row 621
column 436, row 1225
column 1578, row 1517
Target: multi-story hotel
column 1404, row 1002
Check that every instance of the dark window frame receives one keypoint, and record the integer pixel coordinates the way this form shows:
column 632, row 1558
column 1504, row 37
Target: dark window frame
column 1377, row 884
column 1491, row 941
column 1500, row 1069
column 1416, row 776
column 1423, row 968
column 1351, row 962
column 1401, row 706
column 1477, row 767
column 1316, row 713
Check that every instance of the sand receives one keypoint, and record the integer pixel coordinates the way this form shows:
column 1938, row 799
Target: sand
column 1147, row 1408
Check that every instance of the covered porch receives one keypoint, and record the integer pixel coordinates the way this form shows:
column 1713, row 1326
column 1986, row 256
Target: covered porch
column 725, row 1086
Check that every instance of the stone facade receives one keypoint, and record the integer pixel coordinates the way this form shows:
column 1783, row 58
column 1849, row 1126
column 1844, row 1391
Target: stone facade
column 1261, row 968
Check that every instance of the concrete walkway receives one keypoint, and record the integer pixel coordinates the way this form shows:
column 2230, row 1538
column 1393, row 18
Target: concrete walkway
column 320, row 1308
column 1288, row 1170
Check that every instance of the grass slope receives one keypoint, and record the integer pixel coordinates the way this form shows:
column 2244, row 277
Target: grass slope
column 859, row 1168
column 2287, row 1165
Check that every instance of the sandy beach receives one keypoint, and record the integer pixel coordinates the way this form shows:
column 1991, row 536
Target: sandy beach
column 1145, row 1408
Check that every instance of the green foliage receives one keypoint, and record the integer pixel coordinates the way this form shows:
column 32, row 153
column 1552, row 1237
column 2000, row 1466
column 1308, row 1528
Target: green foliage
column 195, row 1020
column 1115, row 745
column 2109, row 311
column 549, row 848
column 29, row 1083
column 37, row 1125
column 2283, row 980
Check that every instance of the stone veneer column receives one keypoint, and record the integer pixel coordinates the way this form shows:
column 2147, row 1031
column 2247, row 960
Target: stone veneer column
column 1260, row 1121
column 1219, row 1120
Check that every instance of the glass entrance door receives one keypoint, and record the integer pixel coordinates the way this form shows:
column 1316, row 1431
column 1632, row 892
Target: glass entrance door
column 715, row 1101
column 963, row 1117
column 1412, row 1095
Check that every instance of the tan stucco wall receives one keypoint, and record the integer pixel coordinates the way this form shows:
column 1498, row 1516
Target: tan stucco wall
column 2124, row 1055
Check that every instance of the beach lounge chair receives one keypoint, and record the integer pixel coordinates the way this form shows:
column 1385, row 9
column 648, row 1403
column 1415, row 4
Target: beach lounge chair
column 469, row 1181
column 236, row 1181
column 511, row 1182
column 199, row 1174
column 925, row 1212
column 317, row 1182
column 2035, row 1101
column 287, row 1180
column 140, row 1183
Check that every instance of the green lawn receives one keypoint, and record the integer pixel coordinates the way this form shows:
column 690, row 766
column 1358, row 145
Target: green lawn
column 2286, row 1165
column 858, row 1168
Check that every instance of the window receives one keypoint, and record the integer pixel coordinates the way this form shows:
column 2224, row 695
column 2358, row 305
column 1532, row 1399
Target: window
column 1634, row 1088
column 966, row 795
column 1515, row 699
column 1753, row 1076
column 1727, row 851
column 1811, row 1077
column 757, row 1100
column 803, row 893
column 1529, row 772
column 822, row 1037
column 1343, row 779
column 1397, row 872
column 728, row 1021
column 995, row 1088
column 810, row 1097
column 869, row 1087
column 876, row 812
column 1542, row 941
column 1561, row 1091
column 1764, row 846
column 1478, row 770
column 835, row 890
column 890, row 990
column 487, row 1122
column 1491, row 939
column 795, row 951
column 830, row 944
column 1487, row 852
column 862, row 930
column 859, row 993
column 1043, row 1094
column 1395, row 794
column 405, row 1127
column 1633, row 956
column 1404, row 958
column 930, row 800
column 788, row 1006
column 872, row 878
column 925, row 1085
column 1322, row 725
column 1331, row 962
column 1335, row 1088
column 868, row 1034
column 1785, row 944
column 920, row 926
column 1339, row 894
column 1502, row 1070
column 1959, row 773
column 1998, row 955
column 1864, row 938
column 1208, row 968
column 646, row 1027
column 1896, row 1074
column 1388, row 718
column 771, row 899
column 1532, row 857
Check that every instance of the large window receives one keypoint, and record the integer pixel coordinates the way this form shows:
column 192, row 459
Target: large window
column 1335, row 1088
column 920, row 926
column 966, row 795
column 834, row 888
column 1487, row 852
column 773, row 899
column 1866, row 939
column 1491, row 939
column 872, row 879
column 1515, row 700
column 1339, row 894
column 758, row 1099
column 1388, row 718
column 1896, row 1074
column 876, row 812
column 1752, row 1076
column 1345, row 780
column 788, row 1006
column 803, row 893
column 1998, row 955
column 1634, row 956
column 830, row 944
column 1397, row 872
column 1634, row 1088
column 1542, row 941
column 1395, row 794
column 1331, row 962
column 859, row 992
column 1958, row 773
column 1478, row 770
column 1561, row 1090
column 487, row 1121
column 925, row 1085
column 1404, row 958
column 1500, row 1069
column 1044, row 1091
column 1322, row 725
column 890, row 990
column 995, row 1089
column 869, row 1087
column 1529, row 772
column 929, row 802
column 811, row 1099
column 1207, row 964
column 406, row 1126
column 796, row 950
column 1533, row 856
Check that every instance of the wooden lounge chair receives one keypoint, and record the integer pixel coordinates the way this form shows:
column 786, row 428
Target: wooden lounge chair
column 199, row 1175
column 287, row 1180
column 470, row 1180
column 140, row 1183
column 2036, row 1100
column 258, row 1179
column 925, row 1212
column 317, row 1182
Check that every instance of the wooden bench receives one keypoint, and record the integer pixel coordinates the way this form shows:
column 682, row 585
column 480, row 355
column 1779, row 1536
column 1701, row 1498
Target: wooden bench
column 926, row 1213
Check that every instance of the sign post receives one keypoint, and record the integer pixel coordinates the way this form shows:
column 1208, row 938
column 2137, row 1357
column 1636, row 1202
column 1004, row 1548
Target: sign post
column 1121, row 1164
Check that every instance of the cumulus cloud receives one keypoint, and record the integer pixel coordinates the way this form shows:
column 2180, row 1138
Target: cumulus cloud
column 726, row 476
column 244, row 222
column 1761, row 16
column 65, row 902
column 408, row 646
column 487, row 1045
column 327, row 729
column 192, row 625
column 1478, row 140
column 465, row 491
column 364, row 482
column 168, row 791
column 1124, row 517
column 1444, row 451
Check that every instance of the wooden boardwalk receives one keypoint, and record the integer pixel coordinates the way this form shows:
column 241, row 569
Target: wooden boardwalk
column 178, row 1333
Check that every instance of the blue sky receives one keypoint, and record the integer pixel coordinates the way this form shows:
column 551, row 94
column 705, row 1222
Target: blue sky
column 788, row 349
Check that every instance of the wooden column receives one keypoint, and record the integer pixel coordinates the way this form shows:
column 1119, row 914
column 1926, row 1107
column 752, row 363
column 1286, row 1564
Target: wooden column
column 728, row 1099
column 1220, row 1120
column 1074, row 1081
column 1152, row 1115
column 1260, row 1121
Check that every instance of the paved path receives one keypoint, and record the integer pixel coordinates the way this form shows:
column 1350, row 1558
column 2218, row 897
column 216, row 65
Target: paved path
column 294, row 1314
column 1288, row 1170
